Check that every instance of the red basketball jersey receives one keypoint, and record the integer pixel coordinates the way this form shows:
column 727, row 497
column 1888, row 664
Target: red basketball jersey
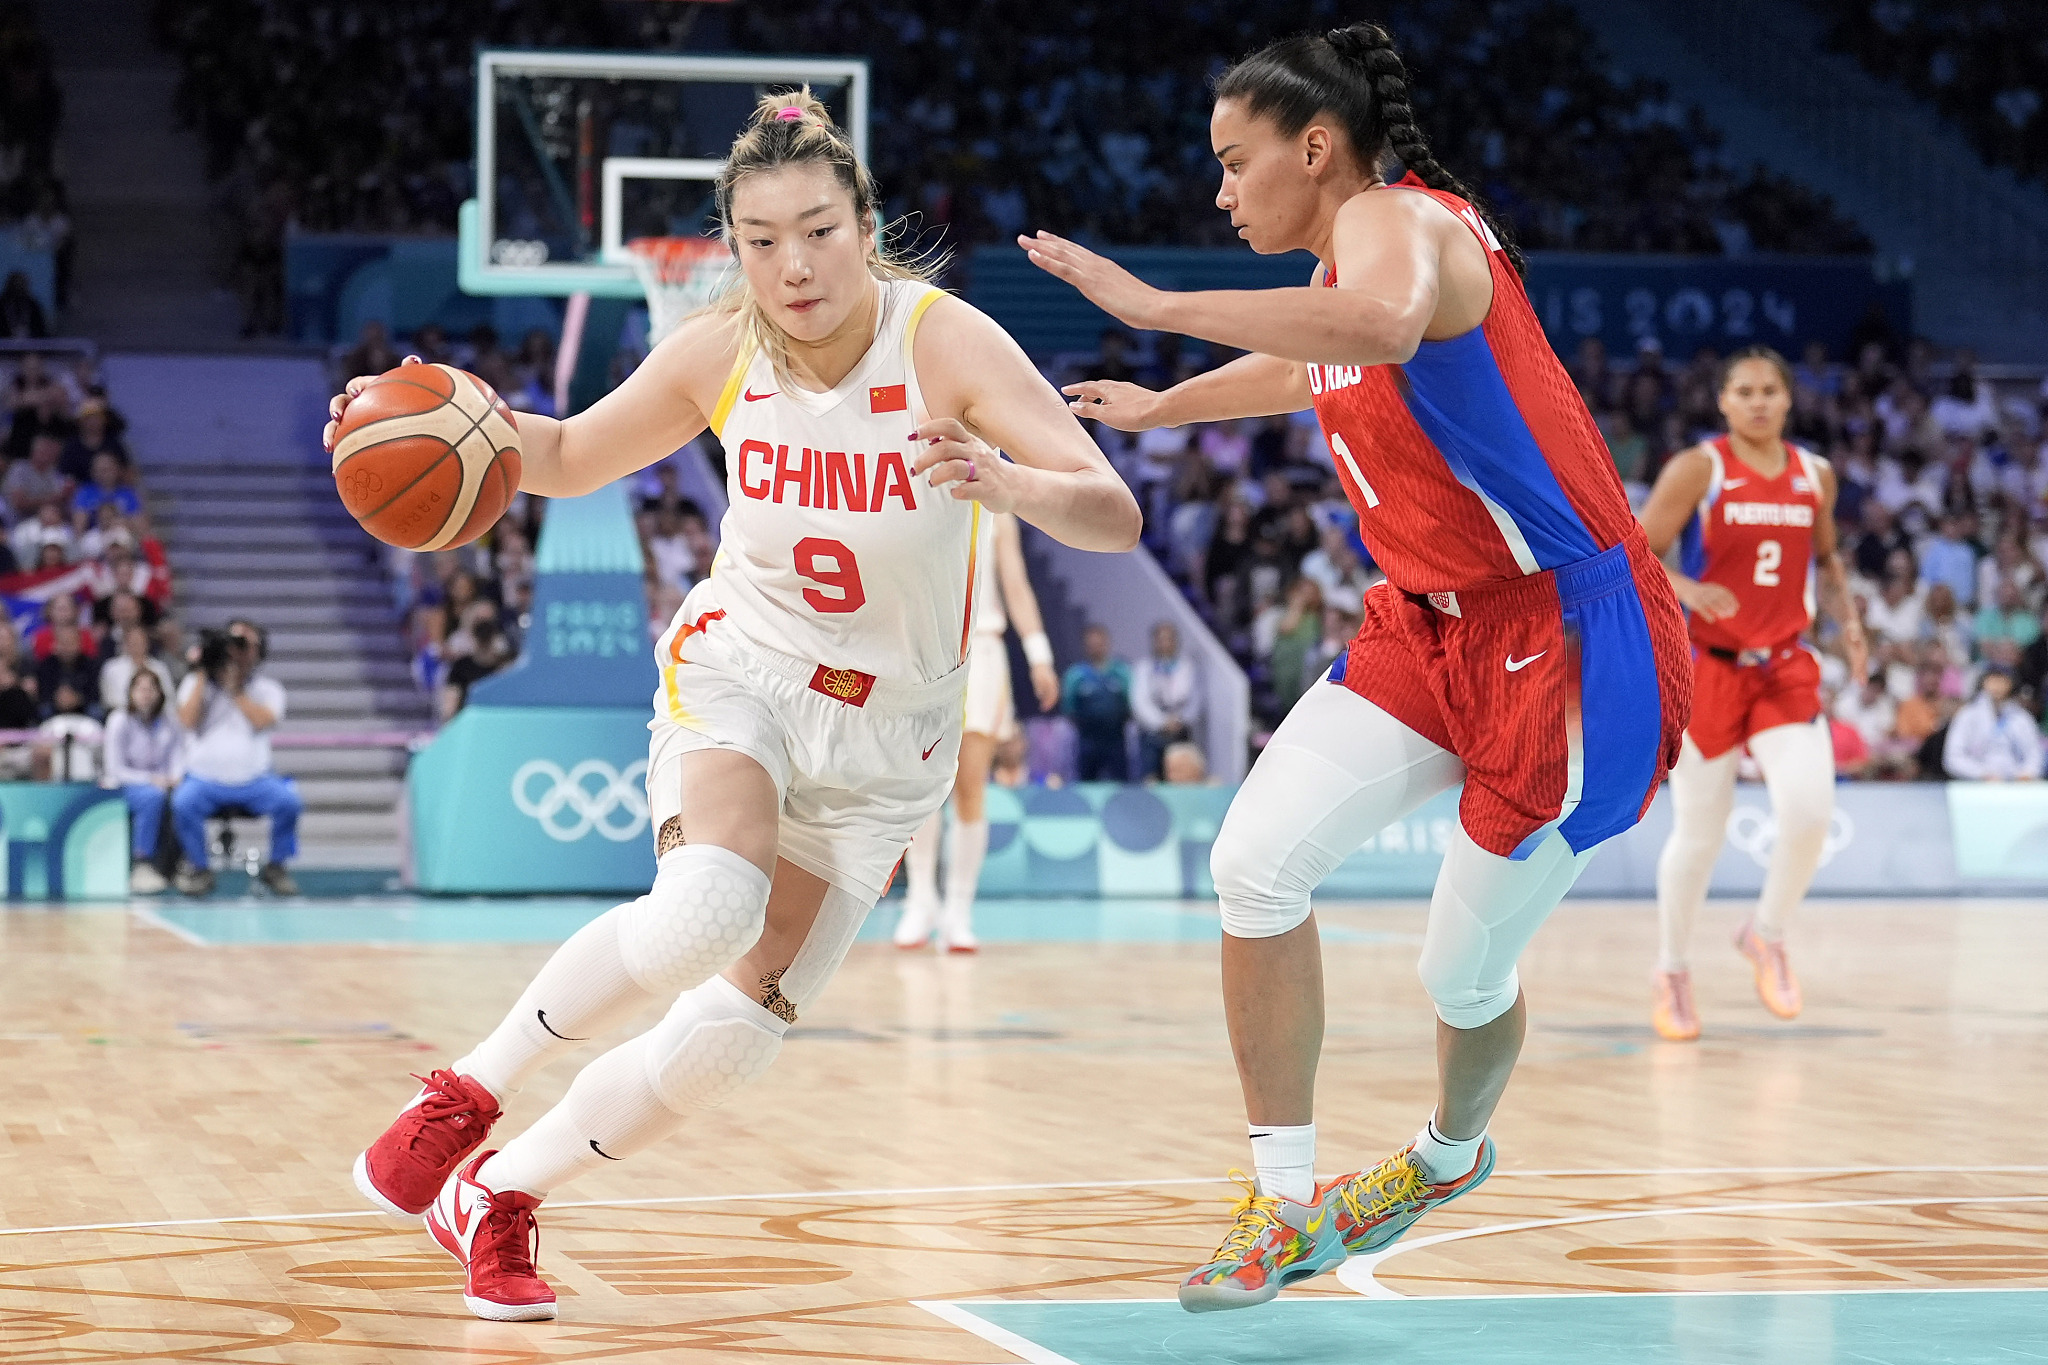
column 1754, row 536
column 1475, row 462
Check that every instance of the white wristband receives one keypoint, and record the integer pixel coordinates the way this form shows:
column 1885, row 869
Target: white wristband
column 1037, row 649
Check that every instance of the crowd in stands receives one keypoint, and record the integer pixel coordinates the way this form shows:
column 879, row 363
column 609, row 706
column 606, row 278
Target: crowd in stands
column 32, row 202
column 1943, row 512
column 82, row 574
column 348, row 117
column 1982, row 63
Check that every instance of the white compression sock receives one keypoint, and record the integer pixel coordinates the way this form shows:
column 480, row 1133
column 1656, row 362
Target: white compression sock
column 715, row 1040
column 965, row 851
column 1443, row 1158
column 582, row 992
column 1799, row 772
column 1702, row 794
column 1284, row 1160
column 921, row 863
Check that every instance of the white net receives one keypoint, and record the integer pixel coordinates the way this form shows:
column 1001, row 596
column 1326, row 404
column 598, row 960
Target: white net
column 680, row 275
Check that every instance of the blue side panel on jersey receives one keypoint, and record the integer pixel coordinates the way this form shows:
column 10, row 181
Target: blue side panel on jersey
column 1622, row 709
column 1457, row 395
column 1692, row 548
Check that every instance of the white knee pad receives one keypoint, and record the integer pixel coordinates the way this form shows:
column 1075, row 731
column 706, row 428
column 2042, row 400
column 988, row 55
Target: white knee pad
column 705, row 910
column 1258, row 897
column 714, row 1041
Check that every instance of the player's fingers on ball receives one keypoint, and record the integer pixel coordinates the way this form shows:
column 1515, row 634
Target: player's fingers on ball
column 412, row 360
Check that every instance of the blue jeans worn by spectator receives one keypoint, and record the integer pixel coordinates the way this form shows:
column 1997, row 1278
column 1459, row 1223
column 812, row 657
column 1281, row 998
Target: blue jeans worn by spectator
column 146, row 809
column 270, row 795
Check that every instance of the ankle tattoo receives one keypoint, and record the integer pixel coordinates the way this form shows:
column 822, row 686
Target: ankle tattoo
column 671, row 836
column 773, row 1000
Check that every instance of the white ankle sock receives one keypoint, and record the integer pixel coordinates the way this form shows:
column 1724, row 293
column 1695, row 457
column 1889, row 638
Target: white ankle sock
column 1445, row 1158
column 1285, row 1161
column 582, row 992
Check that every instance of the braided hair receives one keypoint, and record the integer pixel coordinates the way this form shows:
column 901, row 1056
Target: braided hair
column 1355, row 74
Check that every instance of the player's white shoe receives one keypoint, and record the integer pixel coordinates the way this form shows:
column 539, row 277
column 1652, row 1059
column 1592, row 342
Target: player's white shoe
column 494, row 1234
column 914, row 927
column 956, row 928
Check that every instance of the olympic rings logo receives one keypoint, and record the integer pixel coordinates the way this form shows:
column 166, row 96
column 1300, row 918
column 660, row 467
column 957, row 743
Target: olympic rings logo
column 1754, row 831
column 594, row 795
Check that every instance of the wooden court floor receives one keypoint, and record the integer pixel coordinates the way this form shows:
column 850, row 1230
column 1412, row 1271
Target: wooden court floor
column 1047, row 1123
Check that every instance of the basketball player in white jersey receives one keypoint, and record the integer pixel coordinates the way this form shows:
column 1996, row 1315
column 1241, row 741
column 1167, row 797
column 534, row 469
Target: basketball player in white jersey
column 808, row 716
column 1003, row 599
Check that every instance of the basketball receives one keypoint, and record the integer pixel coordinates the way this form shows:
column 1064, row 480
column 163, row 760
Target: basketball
column 427, row 457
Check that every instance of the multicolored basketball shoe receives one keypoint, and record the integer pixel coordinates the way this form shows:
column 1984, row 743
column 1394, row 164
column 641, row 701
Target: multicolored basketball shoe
column 1373, row 1208
column 407, row 1165
column 1272, row 1243
column 495, row 1236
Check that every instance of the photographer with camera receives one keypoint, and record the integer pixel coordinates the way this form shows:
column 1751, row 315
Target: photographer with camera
column 229, row 708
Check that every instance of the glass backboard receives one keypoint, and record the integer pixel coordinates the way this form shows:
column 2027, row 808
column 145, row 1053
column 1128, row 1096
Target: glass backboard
column 578, row 153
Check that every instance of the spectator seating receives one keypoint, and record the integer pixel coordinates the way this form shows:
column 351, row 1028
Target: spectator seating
column 1982, row 65
column 1029, row 115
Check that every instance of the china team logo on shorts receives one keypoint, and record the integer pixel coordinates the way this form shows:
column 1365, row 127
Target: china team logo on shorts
column 593, row 795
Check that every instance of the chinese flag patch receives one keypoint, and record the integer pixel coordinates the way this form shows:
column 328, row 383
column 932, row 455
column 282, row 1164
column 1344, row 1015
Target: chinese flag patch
column 888, row 398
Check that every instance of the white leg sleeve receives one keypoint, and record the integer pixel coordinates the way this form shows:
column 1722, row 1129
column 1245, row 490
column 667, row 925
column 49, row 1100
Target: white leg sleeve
column 1485, row 911
column 706, row 909
column 1799, row 771
column 583, row 992
column 964, row 854
column 714, row 1040
column 1337, row 771
column 1702, row 794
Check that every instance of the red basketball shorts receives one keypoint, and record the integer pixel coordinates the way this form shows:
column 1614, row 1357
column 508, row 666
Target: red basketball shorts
column 1732, row 701
column 1564, row 693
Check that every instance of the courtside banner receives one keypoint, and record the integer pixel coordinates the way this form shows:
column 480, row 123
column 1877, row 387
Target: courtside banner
column 520, row 799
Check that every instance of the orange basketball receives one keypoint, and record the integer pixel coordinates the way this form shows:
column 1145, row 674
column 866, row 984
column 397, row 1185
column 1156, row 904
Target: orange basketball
column 427, row 457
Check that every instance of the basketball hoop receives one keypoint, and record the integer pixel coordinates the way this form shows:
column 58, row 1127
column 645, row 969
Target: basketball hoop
column 679, row 274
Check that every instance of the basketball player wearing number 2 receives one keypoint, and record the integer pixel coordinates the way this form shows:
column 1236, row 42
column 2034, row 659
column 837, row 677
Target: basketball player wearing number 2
column 809, row 709
column 1754, row 519
column 1526, row 642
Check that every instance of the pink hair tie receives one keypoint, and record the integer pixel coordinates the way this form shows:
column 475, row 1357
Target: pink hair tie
column 790, row 114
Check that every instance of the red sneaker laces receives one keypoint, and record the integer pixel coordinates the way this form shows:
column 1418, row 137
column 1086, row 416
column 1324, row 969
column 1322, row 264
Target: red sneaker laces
column 511, row 1236
column 447, row 1097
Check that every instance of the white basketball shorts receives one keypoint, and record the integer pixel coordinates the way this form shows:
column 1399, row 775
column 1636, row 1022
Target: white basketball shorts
column 856, row 780
column 990, row 708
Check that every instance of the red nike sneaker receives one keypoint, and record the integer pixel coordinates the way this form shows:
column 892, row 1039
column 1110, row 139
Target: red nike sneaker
column 494, row 1234
column 403, row 1170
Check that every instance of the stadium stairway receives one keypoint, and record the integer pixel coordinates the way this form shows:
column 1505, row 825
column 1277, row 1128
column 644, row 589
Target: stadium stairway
column 244, row 503
column 1974, row 239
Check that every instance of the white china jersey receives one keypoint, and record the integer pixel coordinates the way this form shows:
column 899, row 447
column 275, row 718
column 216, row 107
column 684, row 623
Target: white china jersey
column 990, row 615
column 831, row 550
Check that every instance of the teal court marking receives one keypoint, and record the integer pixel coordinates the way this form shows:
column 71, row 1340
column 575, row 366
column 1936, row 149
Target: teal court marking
column 410, row 919
column 1822, row 1327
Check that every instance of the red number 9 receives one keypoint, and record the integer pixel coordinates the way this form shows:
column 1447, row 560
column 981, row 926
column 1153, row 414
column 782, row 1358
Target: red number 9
column 837, row 571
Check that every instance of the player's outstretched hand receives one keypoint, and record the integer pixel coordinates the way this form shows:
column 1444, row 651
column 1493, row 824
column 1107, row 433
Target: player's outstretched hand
column 1710, row 600
column 1127, row 407
column 954, row 458
column 1109, row 286
column 339, row 403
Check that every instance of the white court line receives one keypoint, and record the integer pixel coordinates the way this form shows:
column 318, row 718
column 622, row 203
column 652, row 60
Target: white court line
column 879, row 1192
column 154, row 919
column 1357, row 1273
column 1022, row 1347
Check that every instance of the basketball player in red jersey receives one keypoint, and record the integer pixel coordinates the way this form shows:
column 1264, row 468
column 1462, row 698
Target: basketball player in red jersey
column 1754, row 519
column 1521, row 596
